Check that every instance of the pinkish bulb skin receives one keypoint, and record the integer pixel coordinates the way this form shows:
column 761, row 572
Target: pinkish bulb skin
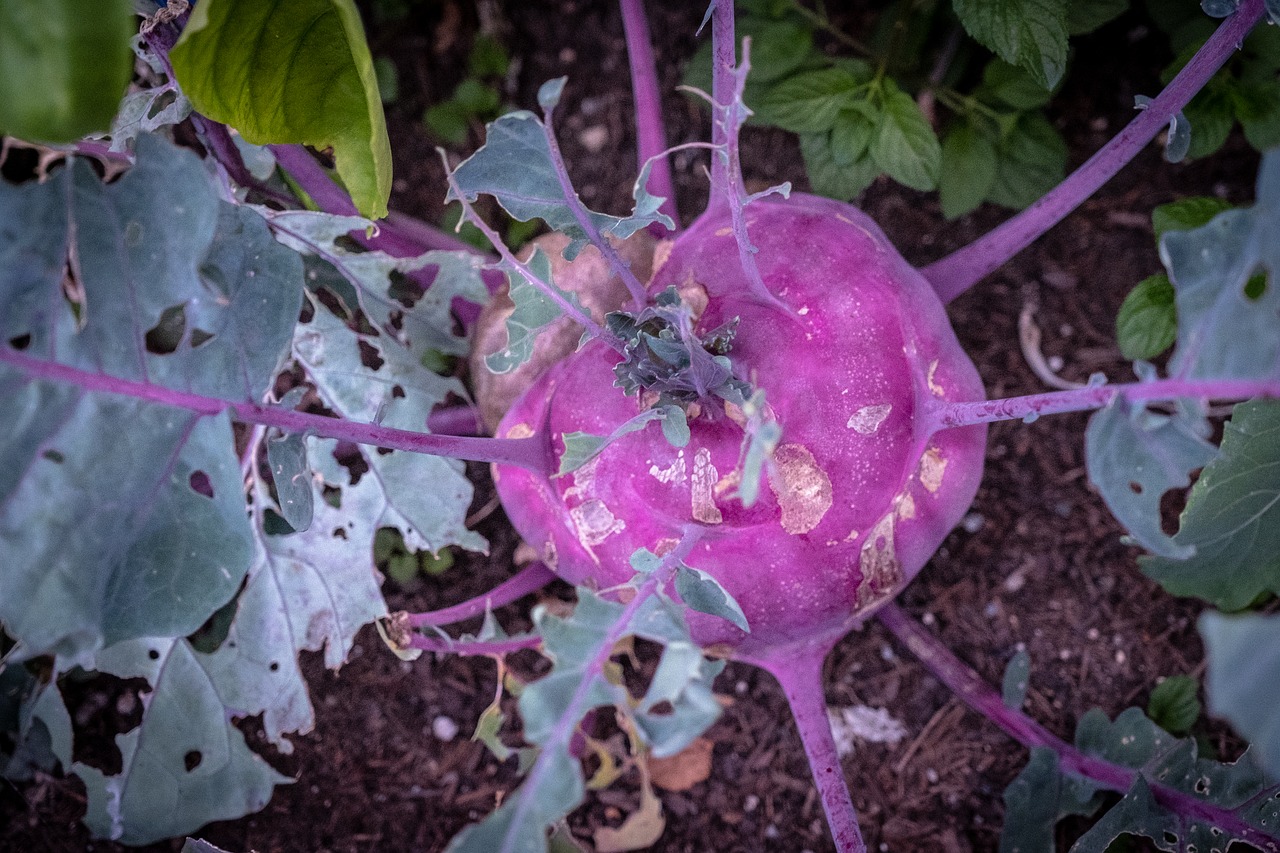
column 862, row 496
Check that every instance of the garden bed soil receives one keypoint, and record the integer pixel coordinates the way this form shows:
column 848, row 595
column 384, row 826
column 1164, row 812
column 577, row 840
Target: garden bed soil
column 1038, row 564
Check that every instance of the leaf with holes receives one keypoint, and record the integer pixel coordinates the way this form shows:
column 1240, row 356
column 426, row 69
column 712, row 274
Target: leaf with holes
column 186, row 764
column 1244, row 663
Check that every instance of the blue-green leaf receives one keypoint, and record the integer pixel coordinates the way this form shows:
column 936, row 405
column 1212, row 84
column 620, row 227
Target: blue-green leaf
column 515, row 167
column 704, row 593
column 533, row 312
column 1134, row 456
column 1231, row 523
column 1244, row 665
column 1017, row 676
column 185, row 765
column 287, row 458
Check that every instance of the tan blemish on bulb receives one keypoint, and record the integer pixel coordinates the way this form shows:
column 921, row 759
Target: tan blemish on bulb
column 932, row 466
column 702, row 491
column 868, row 419
column 595, row 523
column 878, row 560
column 802, row 488
column 520, row 430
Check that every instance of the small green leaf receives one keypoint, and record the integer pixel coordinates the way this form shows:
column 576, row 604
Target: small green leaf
column 704, row 593
column 1257, row 106
column 1212, row 115
column 675, row 426
column 1232, row 519
column 1244, row 668
column 829, row 178
column 1028, row 33
column 850, row 136
column 449, row 120
column 64, row 66
column 904, row 145
column 1085, row 16
column 1173, row 705
column 292, row 71
column 645, row 561
column 581, row 447
column 1032, row 161
column 808, row 102
column 1186, row 214
column 1012, row 86
column 1017, row 676
column 1147, row 323
column 968, row 170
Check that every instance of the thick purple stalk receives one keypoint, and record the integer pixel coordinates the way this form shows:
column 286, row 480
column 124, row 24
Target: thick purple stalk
column 981, row 697
column 444, row 646
column 801, row 678
column 534, row 454
column 957, row 272
column 531, row 578
column 946, row 415
column 651, row 135
column 562, row 732
column 580, row 213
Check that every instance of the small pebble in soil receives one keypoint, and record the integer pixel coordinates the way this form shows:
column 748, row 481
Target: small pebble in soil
column 972, row 522
column 594, row 138
column 444, row 728
column 1121, row 657
column 771, row 831
column 740, row 688
column 928, row 619
column 1092, row 634
column 1064, row 654
column 751, row 803
column 931, row 775
column 886, row 653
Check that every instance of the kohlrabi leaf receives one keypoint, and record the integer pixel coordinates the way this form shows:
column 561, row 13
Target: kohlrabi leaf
column 63, row 66
column 704, row 593
column 426, row 496
column 581, row 447
column 43, row 735
column 147, row 111
column 1029, row 33
column 1147, row 323
column 809, row 102
column 186, row 764
column 292, row 71
column 1037, row 799
column 1231, row 524
column 904, row 145
column 287, row 459
column 1173, row 705
column 1133, row 456
column 681, row 691
column 967, row 171
column 1043, row 793
column 516, row 168
column 108, row 530
column 1226, row 327
column 1244, row 665
column 197, row 845
column 1017, row 677
column 1134, row 741
column 420, row 321
column 307, row 591
column 522, row 822
column 533, row 312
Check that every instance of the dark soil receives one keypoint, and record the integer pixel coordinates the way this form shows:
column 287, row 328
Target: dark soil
column 1039, row 564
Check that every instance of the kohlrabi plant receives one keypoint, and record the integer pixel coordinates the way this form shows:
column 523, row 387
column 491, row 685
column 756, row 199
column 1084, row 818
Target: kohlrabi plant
column 226, row 375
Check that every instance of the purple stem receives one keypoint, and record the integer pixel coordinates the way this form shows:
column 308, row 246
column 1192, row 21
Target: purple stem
column 444, row 646
column 801, row 678
column 580, row 213
column 562, row 732
column 455, row 420
column 651, row 136
column 533, row 453
column 531, row 578
column 957, row 272
column 946, row 415
column 981, row 697
column 728, row 113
